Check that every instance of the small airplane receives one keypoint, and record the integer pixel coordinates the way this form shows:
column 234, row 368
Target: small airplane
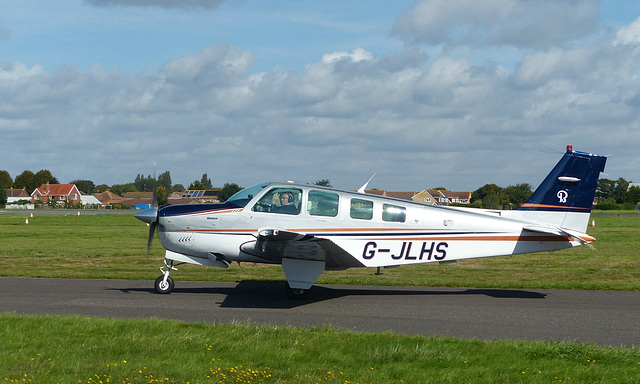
column 309, row 229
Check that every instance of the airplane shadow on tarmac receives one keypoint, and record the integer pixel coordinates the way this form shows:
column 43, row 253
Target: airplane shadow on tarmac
column 273, row 295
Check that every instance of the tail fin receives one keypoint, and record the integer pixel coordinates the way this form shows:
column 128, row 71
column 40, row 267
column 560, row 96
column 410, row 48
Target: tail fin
column 566, row 195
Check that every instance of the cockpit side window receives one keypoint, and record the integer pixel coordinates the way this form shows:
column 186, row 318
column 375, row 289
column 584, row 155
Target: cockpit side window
column 323, row 203
column 361, row 209
column 394, row 213
column 280, row 200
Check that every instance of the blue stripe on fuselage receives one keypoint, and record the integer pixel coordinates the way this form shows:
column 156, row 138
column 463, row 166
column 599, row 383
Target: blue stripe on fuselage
column 190, row 209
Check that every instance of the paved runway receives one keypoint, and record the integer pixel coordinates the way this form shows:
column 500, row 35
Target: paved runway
column 598, row 317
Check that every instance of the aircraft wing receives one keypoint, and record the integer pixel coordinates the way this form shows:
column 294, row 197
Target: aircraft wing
column 276, row 244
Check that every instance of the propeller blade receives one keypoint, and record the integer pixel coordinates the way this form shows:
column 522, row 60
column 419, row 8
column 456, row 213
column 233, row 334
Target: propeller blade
column 154, row 201
column 152, row 230
column 149, row 216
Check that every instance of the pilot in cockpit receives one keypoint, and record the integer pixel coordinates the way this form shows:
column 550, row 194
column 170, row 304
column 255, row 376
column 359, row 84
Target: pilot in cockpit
column 286, row 204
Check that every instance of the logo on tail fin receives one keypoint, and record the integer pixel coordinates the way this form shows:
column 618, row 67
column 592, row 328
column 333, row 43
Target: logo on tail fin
column 562, row 196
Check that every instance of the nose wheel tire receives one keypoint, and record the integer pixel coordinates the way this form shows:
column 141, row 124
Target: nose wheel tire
column 163, row 286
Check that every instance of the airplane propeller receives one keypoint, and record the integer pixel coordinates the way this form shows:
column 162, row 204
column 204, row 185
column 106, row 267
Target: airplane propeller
column 149, row 216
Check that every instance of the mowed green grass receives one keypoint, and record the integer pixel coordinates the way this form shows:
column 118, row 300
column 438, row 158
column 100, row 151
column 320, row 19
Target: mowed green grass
column 114, row 247
column 79, row 350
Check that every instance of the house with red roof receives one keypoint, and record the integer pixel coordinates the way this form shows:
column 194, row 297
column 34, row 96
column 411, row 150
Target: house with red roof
column 60, row 193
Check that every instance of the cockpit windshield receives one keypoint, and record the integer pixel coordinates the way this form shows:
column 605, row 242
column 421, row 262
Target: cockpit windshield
column 243, row 197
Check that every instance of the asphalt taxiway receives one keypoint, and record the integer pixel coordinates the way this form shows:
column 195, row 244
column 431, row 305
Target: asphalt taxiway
column 607, row 318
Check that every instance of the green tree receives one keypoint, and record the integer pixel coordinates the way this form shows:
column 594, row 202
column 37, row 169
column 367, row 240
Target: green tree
column 491, row 196
column 206, row 182
column 323, row 183
column 6, row 181
column 196, row 185
column 518, row 193
column 484, row 191
column 621, row 187
column 3, row 197
column 85, row 186
column 165, row 180
column 605, row 189
column 632, row 195
column 43, row 176
column 228, row 190
column 101, row 188
column 26, row 180
column 178, row 188
column 121, row 189
column 162, row 197
column 144, row 184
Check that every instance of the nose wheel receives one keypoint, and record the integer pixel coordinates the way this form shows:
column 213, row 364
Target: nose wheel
column 164, row 283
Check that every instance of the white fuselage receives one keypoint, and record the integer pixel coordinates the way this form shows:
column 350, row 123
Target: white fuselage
column 211, row 234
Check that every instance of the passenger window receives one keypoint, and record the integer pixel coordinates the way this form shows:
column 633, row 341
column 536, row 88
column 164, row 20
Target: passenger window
column 361, row 209
column 280, row 200
column 394, row 213
column 322, row 203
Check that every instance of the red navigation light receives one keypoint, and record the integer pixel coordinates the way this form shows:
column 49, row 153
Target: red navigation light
column 569, row 148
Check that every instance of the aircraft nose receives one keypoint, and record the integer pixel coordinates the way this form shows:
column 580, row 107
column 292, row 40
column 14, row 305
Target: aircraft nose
column 148, row 215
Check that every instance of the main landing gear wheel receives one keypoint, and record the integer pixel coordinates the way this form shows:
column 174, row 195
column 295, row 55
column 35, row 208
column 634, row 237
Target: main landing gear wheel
column 164, row 286
column 297, row 293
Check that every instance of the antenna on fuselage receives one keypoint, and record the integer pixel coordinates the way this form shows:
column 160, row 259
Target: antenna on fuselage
column 362, row 189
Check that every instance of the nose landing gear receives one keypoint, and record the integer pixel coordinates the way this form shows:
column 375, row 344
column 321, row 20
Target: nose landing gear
column 164, row 283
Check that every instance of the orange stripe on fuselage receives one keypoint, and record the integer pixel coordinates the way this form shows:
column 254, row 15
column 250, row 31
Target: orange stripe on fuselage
column 215, row 212
column 546, row 238
column 531, row 205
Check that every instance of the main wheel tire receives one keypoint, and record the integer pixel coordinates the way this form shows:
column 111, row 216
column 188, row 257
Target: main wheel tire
column 297, row 293
column 164, row 287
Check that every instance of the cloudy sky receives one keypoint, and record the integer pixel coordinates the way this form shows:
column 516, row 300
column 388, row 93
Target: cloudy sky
column 426, row 93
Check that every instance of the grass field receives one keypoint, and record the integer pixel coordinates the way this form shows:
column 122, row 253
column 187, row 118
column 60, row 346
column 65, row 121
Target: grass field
column 80, row 350
column 113, row 247
column 54, row 349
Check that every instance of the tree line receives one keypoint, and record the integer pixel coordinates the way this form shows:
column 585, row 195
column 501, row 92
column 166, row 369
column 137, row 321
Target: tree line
column 616, row 194
column 162, row 185
column 611, row 194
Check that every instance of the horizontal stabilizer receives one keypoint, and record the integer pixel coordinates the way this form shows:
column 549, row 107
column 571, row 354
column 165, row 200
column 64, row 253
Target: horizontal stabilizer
column 583, row 238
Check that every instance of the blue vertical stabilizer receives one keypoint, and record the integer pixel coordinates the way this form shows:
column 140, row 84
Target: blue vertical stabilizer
column 571, row 185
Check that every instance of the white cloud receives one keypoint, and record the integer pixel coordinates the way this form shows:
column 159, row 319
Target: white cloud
column 540, row 67
column 520, row 23
column 357, row 55
column 628, row 34
column 417, row 121
column 16, row 71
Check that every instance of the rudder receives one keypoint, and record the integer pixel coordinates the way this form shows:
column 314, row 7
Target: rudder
column 570, row 188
